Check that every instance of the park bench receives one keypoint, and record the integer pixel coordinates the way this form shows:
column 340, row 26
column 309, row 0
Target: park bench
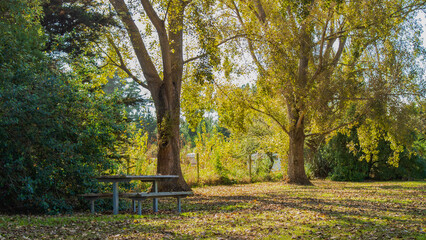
column 138, row 197
column 135, row 196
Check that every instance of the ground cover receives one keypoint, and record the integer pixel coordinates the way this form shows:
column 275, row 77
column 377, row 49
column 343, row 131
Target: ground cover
column 327, row 210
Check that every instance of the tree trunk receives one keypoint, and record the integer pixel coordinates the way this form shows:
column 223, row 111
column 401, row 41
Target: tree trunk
column 296, row 164
column 296, row 114
column 165, row 90
column 167, row 104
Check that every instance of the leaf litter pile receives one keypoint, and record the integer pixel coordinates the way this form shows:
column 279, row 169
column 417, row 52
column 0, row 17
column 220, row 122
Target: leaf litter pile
column 327, row 210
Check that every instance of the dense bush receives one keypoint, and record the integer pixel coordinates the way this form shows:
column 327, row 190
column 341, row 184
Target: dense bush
column 345, row 165
column 336, row 161
column 54, row 132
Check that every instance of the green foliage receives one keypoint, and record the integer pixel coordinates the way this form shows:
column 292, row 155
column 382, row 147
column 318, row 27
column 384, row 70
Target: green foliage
column 324, row 65
column 224, row 157
column 343, row 159
column 54, row 131
column 345, row 165
column 73, row 26
column 215, row 156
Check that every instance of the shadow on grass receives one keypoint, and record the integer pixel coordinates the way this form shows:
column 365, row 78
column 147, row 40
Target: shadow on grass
column 386, row 216
column 328, row 211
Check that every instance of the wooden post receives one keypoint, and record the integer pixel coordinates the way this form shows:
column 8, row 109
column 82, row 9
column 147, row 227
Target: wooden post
column 198, row 168
column 250, row 166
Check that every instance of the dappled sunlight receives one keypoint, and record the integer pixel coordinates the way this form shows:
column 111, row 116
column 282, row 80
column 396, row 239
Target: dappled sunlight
column 327, row 210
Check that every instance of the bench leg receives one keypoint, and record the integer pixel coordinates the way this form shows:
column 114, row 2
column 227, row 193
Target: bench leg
column 178, row 205
column 155, row 200
column 134, row 205
column 140, row 207
column 155, row 204
column 115, row 198
column 92, row 205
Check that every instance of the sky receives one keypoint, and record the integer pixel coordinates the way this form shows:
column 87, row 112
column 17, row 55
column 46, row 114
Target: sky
column 422, row 16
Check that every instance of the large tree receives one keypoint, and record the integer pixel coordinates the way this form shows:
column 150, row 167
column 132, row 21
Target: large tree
column 163, row 82
column 325, row 65
column 158, row 45
column 147, row 41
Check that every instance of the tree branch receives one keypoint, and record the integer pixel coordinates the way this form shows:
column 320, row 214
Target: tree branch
column 122, row 64
column 246, row 103
column 221, row 43
column 324, row 30
column 342, row 42
column 250, row 44
column 167, row 10
column 333, row 129
column 269, row 115
column 162, row 35
column 341, row 125
column 145, row 61
column 261, row 14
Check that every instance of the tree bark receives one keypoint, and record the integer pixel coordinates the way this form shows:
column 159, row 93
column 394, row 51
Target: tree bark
column 296, row 162
column 166, row 100
column 296, row 107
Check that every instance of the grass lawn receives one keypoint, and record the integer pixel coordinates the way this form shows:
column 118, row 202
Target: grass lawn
column 327, row 210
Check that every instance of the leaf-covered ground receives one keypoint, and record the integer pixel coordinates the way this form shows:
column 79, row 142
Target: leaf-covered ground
column 327, row 210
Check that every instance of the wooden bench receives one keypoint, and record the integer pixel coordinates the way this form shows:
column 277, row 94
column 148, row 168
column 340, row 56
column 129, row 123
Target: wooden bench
column 115, row 179
column 138, row 197
column 93, row 196
column 142, row 196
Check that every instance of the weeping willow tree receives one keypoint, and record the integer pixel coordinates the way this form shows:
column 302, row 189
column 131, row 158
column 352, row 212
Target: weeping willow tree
column 327, row 65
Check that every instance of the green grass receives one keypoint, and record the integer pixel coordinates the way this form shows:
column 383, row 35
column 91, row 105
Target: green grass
column 328, row 210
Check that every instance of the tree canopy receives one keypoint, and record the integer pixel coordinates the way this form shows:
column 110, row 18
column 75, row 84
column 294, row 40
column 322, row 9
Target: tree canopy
column 326, row 65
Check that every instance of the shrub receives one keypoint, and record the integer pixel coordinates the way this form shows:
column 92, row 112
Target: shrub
column 55, row 133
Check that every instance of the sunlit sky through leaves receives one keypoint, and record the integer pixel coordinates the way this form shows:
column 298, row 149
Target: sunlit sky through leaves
column 422, row 16
column 247, row 79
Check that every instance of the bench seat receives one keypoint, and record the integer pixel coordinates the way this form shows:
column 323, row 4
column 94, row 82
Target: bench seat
column 96, row 195
column 137, row 197
column 142, row 196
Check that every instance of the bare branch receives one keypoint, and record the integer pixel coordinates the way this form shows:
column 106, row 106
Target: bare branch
column 167, row 10
column 145, row 61
column 122, row 64
column 243, row 101
column 162, row 35
column 250, row 44
column 222, row 42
